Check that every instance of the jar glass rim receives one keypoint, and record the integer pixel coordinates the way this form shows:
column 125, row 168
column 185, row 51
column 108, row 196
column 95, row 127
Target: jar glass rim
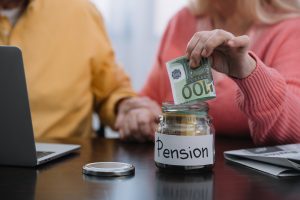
column 193, row 106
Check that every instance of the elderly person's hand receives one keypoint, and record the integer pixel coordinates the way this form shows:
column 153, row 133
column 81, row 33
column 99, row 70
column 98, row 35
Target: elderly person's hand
column 229, row 53
column 137, row 119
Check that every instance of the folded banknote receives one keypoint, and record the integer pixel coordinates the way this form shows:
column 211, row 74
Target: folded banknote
column 190, row 84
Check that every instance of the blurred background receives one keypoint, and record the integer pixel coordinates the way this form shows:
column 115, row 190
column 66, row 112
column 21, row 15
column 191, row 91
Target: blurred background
column 135, row 28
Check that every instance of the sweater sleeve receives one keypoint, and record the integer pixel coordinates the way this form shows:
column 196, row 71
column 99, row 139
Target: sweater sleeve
column 270, row 96
column 110, row 83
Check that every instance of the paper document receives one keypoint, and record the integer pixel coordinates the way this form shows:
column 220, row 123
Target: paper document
column 281, row 161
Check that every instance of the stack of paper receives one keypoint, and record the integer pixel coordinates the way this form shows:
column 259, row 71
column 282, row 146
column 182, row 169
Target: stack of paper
column 281, row 161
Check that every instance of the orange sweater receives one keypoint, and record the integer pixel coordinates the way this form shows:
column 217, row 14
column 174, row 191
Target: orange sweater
column 266, row 104
column 70, row 66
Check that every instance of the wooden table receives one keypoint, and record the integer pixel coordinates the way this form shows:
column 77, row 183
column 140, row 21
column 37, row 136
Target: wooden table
column 63, row 179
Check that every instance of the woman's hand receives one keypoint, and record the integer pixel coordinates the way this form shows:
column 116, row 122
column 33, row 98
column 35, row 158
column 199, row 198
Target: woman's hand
column 229, row 53
column 137, row 119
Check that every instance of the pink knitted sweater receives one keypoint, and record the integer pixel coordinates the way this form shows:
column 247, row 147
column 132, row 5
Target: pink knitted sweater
column 266, row 104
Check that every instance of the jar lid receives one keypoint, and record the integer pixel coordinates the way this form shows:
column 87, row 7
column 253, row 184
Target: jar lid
column 108, row 169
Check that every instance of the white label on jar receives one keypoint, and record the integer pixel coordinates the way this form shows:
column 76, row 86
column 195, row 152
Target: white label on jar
column 184, row 150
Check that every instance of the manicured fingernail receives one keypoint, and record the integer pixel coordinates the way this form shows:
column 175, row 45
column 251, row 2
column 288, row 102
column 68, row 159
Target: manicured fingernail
column 193, row 64
column 204, row 52
column 230, row 42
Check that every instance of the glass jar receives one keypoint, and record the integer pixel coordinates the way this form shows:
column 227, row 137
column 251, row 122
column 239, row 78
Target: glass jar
column 184, row 141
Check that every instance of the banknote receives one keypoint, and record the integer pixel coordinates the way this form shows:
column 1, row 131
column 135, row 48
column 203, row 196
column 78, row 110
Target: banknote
column 190, row 84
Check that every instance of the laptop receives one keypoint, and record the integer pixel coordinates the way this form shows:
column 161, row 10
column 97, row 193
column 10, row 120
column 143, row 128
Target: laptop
column 17, row 146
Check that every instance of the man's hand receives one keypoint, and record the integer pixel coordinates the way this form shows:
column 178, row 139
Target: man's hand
column 137, row 118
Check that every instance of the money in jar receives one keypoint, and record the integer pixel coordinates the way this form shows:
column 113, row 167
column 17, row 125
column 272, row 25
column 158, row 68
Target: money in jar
column 184, row 141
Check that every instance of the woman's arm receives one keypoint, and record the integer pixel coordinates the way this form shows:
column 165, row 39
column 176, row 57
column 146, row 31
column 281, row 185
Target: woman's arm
column 269, row 95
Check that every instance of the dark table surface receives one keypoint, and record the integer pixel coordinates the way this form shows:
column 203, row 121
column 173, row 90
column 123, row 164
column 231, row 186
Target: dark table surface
column 63, row 179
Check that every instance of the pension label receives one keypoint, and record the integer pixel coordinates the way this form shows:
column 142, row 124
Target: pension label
column 184, row 150
column 190, row 84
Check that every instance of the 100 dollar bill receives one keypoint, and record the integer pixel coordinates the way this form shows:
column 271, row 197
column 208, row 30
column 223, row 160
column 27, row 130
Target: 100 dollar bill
column 190, row 84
